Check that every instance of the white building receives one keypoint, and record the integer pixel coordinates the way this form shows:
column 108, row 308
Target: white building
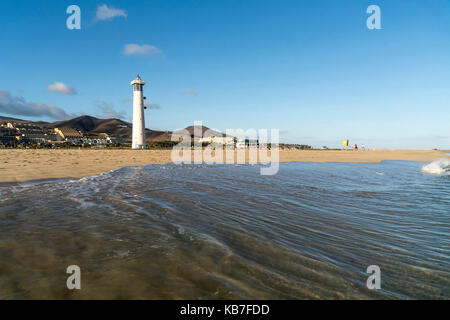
column 218, row 140
column 240, row 144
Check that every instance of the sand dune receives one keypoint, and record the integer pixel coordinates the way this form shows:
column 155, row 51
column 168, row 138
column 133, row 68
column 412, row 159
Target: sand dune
column 23, row 165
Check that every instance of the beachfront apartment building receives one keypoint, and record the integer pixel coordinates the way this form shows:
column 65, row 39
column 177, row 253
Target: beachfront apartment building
column 39, row 137
column 69, row 134
column 8, row 135
column 101, row 138
column 225, row 140
column 14, row 134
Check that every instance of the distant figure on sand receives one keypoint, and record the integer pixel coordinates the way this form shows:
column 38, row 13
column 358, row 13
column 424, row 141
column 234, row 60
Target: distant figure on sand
column 356, row 147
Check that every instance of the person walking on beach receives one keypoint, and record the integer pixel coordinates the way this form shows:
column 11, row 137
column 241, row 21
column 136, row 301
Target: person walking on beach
column 356, row 147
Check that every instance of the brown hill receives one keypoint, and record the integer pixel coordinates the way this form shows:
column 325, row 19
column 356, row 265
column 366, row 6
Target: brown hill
column 191, row 130
column 113, row 127
column 4, row 119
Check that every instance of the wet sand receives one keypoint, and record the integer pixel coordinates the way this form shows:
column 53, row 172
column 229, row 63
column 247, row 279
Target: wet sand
column 18, row 165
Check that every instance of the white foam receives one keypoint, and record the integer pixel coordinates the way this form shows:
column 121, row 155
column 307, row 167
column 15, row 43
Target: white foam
column 438, row 167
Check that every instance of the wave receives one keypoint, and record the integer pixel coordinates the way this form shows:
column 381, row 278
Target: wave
column 438, row 167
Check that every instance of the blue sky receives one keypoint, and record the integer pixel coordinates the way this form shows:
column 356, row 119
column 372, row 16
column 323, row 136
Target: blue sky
column 309, row 68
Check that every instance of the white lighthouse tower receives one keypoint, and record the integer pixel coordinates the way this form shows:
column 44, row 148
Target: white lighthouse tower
column 138, row 114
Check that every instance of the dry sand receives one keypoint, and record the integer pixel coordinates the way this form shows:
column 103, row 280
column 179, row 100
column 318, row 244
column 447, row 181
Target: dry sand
column 18, row 165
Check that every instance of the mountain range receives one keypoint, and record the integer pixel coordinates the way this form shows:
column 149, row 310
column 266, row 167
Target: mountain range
column 113, row 127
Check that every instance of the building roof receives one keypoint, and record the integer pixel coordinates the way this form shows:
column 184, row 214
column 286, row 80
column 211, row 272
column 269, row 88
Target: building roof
column 70, row 133
column 137, row 81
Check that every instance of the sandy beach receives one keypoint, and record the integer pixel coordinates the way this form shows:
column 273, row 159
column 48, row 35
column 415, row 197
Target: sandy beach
column 17, row 165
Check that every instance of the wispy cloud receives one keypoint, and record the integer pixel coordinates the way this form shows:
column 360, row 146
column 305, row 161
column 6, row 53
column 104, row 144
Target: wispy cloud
column 133, row 49
column 153, row 106
column 108, row 13
column 61, row 88
column 107, row 111
column 18, row 106
column 189, row 91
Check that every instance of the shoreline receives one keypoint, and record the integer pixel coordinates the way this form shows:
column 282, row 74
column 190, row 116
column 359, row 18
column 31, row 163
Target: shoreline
column 28, row 165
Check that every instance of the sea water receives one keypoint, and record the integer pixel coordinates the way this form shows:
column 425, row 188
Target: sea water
column 226, row 232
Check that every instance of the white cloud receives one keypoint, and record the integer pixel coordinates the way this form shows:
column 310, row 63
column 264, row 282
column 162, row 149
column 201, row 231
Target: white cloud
column 107, row 13
column 189, row 91
column 153, row 106
column 61, row 88
column 139, row 50
column 18, row 106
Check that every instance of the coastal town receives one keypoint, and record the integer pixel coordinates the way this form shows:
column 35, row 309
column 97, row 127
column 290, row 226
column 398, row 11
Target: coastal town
column 90, row 132
column 13, row 134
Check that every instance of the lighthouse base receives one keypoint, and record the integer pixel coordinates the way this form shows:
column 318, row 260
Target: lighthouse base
column 138, row 147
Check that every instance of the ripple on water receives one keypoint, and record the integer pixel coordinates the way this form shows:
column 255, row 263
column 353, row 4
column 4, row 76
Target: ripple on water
column 213, row 232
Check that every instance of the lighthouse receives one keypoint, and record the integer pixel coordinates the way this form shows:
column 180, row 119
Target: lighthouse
column 138, row 114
